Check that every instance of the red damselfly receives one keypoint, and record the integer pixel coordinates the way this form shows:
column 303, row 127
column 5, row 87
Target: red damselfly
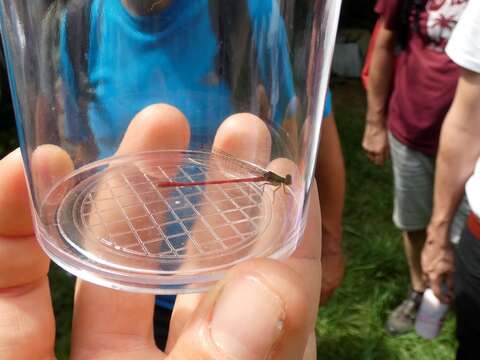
column 258, row 174
column 268, row 177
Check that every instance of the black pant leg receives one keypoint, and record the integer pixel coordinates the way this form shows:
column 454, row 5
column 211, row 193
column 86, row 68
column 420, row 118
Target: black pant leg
column 161, row 325
column 467, row 297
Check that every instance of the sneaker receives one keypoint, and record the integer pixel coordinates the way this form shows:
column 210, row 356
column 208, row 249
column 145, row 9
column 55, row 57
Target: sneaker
column 402, row 319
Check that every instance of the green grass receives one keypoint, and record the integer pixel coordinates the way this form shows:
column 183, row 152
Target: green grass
column 352, row 325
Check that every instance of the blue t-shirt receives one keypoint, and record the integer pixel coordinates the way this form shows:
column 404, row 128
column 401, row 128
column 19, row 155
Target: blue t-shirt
column 327, row 109
column 168, row 57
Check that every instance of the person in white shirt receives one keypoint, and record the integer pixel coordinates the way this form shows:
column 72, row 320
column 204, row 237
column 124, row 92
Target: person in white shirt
column 455, row 275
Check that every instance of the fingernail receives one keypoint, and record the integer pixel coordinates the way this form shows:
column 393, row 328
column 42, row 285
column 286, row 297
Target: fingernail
column 247, row 320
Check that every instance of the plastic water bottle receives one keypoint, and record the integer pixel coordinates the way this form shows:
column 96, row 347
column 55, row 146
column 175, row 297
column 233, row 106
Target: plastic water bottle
column 430, row 317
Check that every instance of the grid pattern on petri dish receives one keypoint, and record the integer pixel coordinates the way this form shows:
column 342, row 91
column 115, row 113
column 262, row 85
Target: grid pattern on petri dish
column 127, row 212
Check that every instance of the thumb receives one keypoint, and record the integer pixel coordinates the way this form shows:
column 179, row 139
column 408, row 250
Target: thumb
column 259, row 311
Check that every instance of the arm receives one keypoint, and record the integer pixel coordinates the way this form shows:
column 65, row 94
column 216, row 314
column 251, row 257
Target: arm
column 330, row 175
column 458, row 153
column 375, row 140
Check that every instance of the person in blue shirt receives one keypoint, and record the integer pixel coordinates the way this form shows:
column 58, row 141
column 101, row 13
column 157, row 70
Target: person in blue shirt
column 140, row 55
column 146, row 52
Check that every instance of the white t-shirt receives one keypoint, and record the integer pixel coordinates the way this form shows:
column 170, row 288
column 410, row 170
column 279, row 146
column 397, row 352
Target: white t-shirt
column 464, row 49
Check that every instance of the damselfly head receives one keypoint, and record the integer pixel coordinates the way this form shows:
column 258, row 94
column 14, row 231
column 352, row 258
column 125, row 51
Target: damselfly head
column 288, row 179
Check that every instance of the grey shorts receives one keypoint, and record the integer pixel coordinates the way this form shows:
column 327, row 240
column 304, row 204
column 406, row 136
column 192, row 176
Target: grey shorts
column 413, row 175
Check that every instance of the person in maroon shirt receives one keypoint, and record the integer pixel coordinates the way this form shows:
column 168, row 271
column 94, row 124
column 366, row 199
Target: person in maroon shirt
column 407, row 102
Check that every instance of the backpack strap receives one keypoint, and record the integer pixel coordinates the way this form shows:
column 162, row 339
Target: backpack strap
column 46, row 107
column 78, row 40
column 77, row 20
column 237, row 61
column 76, row 17
column 77, row 32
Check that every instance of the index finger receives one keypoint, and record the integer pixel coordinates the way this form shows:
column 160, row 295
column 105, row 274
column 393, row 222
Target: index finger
column 25, row 305
column 103, row 317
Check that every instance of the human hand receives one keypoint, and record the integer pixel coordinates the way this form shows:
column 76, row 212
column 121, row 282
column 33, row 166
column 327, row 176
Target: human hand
column 438, row 262
column 333, row 270
column 375, row 143
column 278, row 298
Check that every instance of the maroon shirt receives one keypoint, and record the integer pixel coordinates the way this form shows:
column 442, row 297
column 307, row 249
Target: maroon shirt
column 425, row 78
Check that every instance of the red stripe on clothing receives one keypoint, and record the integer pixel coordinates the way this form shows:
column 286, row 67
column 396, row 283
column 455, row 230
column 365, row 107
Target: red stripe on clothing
column 473, row 223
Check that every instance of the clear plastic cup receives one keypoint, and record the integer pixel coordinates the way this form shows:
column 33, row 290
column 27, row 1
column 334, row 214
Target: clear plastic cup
column 166, row 141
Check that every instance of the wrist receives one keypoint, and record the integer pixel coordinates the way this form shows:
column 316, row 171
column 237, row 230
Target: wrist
column 376, row 120
column 438, row 232
column 440, row 222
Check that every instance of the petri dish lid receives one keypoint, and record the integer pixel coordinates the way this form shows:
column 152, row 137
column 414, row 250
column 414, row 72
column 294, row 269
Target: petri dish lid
column 164, row 222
